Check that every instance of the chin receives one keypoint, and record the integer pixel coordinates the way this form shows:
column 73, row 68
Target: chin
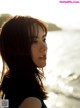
column 42, row 65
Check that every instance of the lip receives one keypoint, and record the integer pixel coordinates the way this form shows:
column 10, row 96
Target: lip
column 43, row 57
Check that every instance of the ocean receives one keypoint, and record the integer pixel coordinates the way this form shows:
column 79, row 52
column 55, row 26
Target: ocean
column 63, row 69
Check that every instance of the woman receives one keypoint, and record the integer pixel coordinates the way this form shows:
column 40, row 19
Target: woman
column 23, row 49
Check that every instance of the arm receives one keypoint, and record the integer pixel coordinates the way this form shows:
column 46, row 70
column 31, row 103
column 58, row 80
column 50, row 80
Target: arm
column 31, row 102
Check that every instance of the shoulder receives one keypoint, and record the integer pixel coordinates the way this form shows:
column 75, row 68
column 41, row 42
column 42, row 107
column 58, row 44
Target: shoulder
column 31, row 102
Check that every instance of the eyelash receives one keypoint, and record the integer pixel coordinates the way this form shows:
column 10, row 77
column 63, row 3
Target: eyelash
column 35, row 41
column 44, row 39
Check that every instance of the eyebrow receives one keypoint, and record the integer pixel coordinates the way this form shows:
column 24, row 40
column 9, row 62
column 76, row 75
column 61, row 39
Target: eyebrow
column 42, row 36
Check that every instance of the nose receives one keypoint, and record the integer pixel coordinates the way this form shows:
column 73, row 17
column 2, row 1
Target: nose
column 43, row 47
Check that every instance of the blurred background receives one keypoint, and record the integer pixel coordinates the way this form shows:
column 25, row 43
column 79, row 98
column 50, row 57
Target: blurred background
column 63, row 58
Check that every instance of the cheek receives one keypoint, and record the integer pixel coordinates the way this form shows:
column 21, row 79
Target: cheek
column 35, row 57
column 34, row 52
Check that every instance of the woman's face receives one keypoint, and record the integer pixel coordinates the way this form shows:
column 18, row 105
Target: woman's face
column 39, row 49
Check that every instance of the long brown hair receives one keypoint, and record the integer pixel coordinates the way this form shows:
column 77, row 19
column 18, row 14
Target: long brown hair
column 16, row 39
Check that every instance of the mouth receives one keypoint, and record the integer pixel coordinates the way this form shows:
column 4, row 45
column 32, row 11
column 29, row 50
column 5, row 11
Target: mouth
column 42, row 57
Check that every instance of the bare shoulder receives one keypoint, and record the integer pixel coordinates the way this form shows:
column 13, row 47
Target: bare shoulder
column 31, row 102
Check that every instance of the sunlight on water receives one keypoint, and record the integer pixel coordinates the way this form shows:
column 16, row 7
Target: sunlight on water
column 63, row 69
column 49, row 102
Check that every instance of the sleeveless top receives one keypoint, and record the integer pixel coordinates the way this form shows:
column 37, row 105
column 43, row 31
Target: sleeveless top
column 15, row 102
column 17, row 93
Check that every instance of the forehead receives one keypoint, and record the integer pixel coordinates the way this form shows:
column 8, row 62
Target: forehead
column 38, row 30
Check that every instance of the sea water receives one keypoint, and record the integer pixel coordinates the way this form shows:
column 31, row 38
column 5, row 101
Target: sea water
column 63, row 69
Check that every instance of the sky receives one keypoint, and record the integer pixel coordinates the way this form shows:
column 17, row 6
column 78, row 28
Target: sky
column 62, row 14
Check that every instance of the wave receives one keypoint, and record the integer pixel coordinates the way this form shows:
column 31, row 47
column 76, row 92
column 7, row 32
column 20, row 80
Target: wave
column 68, row 86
